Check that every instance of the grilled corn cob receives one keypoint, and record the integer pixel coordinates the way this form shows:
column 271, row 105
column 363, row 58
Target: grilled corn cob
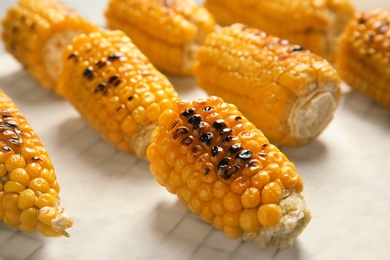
column 224, row 169
column 168, row 32
column 36, row 31
column 287, row 92
column 115, row 88
column 315, row 25
column 29, row 190
column 363, row 59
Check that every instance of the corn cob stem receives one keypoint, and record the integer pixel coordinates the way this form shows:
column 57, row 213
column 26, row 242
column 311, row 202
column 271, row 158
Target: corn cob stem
column 169, row 33
column 289, row 93
column 363, row 59
column 36, row 31
column 115, row 88
column 29, row 190
column 225, row 170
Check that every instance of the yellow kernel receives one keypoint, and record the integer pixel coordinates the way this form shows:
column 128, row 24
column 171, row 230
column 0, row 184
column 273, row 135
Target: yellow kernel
column 165, row 104
column 165, row 146
column 220, row 189
column 129, row 125
column 19, row 175
column 205, row 192
column 13, row 187
column 185, row 194
column 153, row 112
column 249, row 221
column 233, row 233
column 139, row 114
column 172, row 188
column 232, row 202
column 171, row 157
column 29, row 217
column 12, row 218
column 175, row 178
column 147, row 98
column 250, row 198
column 218, row 207
column 232, row 219
column 271, row 193
column 15, row 161
column 5, row 155
column 260, row 179
column 10, row 202
column 218, row 222
column 33, row 170
column 299, row 186
column 207, row 213
column 269, row 214
column 46, row 200
column 194, row 181
column 3, row 170
column 240, row 184
column 39, row 184
column 273, row 170
column 180, row 162
column 49, row 176
column 25, row 228
column 256, row 167
column 187, row 171
column 288, row 177
column 132, row 102
column 196, row 205
column 167, row 118
column 47, row 214
column 26, row 199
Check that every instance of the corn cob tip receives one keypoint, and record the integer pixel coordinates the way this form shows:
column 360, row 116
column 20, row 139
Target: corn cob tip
column 225, row 170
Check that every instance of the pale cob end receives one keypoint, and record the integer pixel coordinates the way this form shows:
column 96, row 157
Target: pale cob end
column 225, row 170
column 115, row 88
column 169, row 33
column 363, row 60
column 315, row 25
column 29, row 199
column 35, row 33
column 289, row 93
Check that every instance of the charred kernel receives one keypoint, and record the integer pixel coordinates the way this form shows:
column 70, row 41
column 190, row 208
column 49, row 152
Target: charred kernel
column 88, row 73
column 245, row 155
column 237, row 118
column 72, row 55
column 226, row 131
column 296, row 48
column 100, row 64
column 7, row 148
column 235, row 148
column 218, row 124
column 215, row 149
column 15, row 141
column 207, row 109
column 206, row 137
column 224, row 162
column 100, row 87
column 187, row 141
column 11, row 123
column 115, row 56
column 112, row 79
column 195, row 121
column 117, row 82
column 180, row 132
column 188, row 112
column 229, row 138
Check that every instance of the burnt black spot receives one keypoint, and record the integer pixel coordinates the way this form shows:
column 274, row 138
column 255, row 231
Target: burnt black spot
column 224, row 163
column 115, row 56
column 187, row 141
column 226, row 131
column 100, row 64
column 12, row 124
column 188, row 112
column 195, row 121
column 214, row 150
column 15, row 140
column 100, row 87
column 5, row 113
column 117, row 82
column 245, row 155
column 218, row 124
column 180, row 132
column 206, row 137
column 237, row 118
column 296, row 48
column 112, row 79
column 207, row 108
column 88, row 73
column 235, row 148
column 362, row 20
column 264, row 145
column 7, row 148
column 72, row 56
column 196, row 149
column 228, row 138
column 130, row 98
column 228, row 171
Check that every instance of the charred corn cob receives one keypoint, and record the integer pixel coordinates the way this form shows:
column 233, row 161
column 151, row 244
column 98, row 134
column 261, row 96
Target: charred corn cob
column 287, row 92
column 315, row 25
column 115, row 88
column 363, row 59
column 168, row 32
column 224, row 169
column 36, row 31
column 29, row 190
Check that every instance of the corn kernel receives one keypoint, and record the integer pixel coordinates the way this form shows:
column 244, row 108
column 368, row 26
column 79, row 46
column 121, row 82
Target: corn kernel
column 232, row 219
column 39, row 185
column 218, row 207
column 218, row 222
column 288, row 177
column 205, row 192
column 196, row 204
column 26, row 199
column 231, row 232
column 249, row 221
column 46, row 200
column 10, row 202
column 260, row 179
column 47, row 214
column 250, row 198
column 33, row 170
column 12, row 218
column 13, row 187
column 194, row 181
column 220, row 189
column 29, row 217
column 15, row 161
column 273, row 170
column 240, row 184
column 232, row 202
column 269, row 214
column 207, row 213
column 19, row 175
column 3, row 170
column 271, row 193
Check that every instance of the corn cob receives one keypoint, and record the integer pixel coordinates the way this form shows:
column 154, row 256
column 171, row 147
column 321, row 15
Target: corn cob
column 224, row 169
column 115, row 88
column 29, row 190
column 315, row 25
column 363, row 59
column 168, row 32
column 36, row 31
column 287, row 92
